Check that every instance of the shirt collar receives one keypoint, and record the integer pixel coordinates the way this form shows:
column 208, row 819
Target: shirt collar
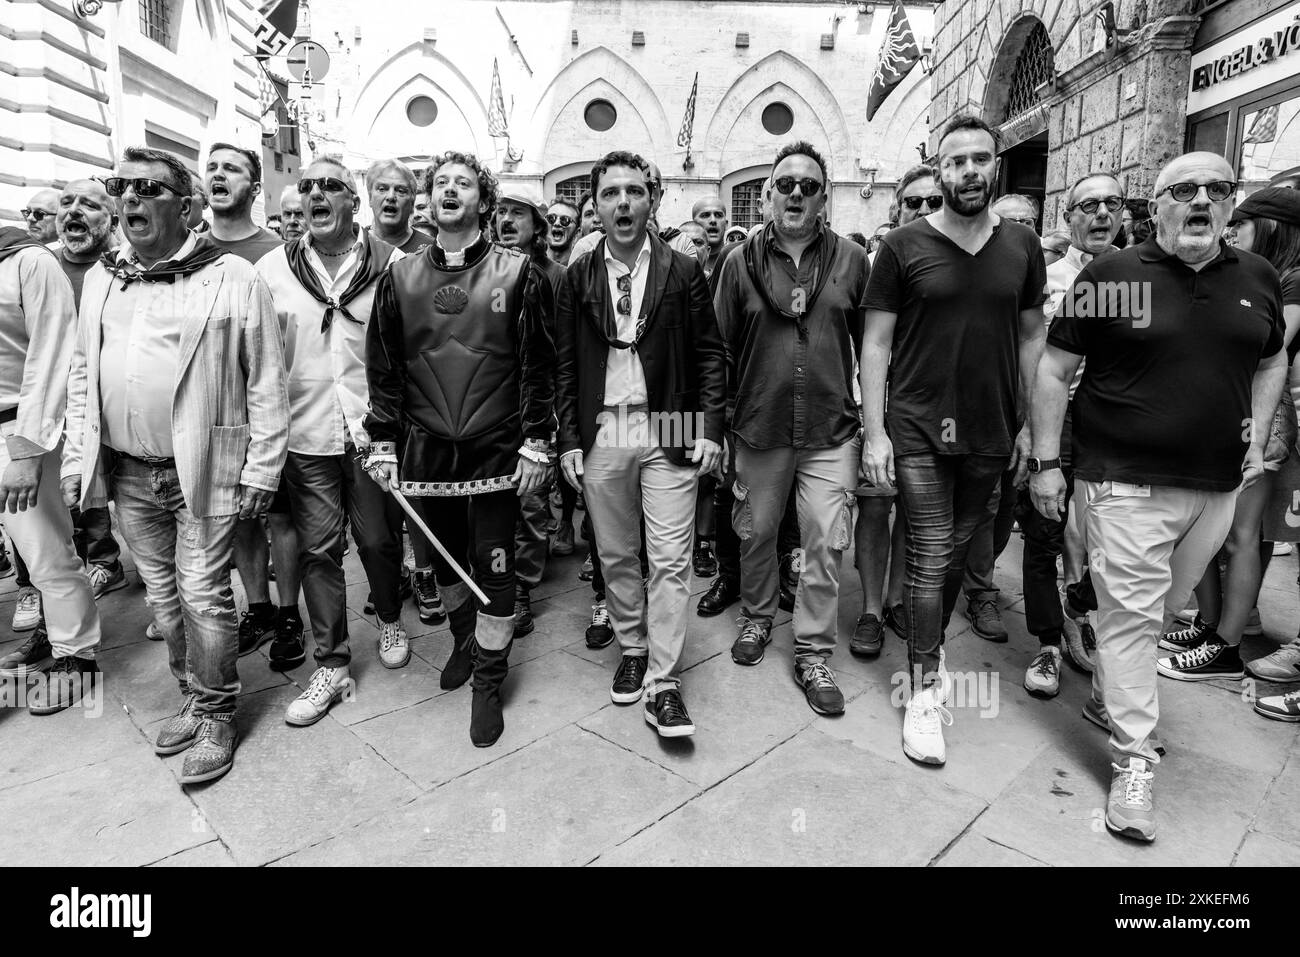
column 1152, row 252
column 125, row 253
column 358, row 237
column 641, row 257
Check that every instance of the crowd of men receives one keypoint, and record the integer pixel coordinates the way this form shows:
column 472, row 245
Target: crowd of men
column 745, row 404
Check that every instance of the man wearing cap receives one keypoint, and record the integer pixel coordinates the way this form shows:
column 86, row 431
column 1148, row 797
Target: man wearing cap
column 1154, row 507
column 520, row 221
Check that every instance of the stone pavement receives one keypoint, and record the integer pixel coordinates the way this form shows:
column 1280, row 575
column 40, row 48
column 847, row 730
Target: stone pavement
column 391, row 778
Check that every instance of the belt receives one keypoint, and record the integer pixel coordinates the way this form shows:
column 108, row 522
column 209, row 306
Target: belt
column 153, row 463
column 9, row 415
column 629, row 409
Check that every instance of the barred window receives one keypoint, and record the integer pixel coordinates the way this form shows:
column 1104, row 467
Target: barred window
column 155, row 21
column 571, row 189
column 747, row 203
column 1033, row 68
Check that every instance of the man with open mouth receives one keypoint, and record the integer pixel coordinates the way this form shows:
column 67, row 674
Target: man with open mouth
column 393, row 190
column 562, row 225
column 177, row 410
column 711, row 213
column 460, row 371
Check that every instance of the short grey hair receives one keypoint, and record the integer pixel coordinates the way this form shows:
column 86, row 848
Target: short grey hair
column 380, row 167
column 335, row 160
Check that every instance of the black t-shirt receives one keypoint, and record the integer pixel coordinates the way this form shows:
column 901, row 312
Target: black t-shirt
column 417, row 242
column 1165, row 396
column 1291, row 297
column 954, row 376
column 76, row 273
column 251, row 249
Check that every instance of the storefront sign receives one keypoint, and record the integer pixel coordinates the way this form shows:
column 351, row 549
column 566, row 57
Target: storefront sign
column 1252, row 58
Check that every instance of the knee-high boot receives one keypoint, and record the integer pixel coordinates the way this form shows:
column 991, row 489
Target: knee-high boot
column 490, row 667
column 462, row 613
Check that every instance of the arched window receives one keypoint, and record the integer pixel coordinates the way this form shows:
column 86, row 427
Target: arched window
column 1034, row 67
column 747, row 203
column 571, row 189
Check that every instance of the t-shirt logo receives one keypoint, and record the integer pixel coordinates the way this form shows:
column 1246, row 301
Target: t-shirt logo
column 1246, row 303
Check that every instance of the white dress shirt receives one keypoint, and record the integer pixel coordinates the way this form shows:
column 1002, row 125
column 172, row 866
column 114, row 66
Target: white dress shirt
column 1060, row 277
column 328, row 396
column 139, row 359
column 624, row 376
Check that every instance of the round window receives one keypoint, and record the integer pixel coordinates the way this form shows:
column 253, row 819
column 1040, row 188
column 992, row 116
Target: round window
column 600, row 115
column 777, row 119
column 421, row 111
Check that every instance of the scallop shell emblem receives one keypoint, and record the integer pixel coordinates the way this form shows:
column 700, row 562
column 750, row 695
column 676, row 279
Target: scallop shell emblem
column 451, row 300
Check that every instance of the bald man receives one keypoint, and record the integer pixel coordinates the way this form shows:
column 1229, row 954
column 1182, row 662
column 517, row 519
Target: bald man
column 711, row 214
column 39, row 214
column 1182, row 337
column 293, row 222
column 86, row 223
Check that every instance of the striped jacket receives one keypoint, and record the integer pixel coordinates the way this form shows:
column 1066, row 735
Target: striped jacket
column 230, row 408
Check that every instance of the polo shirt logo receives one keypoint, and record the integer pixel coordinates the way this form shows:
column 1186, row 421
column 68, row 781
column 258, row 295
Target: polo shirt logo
column 1246, row 303
column 1109, row 300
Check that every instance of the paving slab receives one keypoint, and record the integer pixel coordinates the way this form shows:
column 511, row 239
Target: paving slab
column 561, row 801
column 1279, row 814
column 36, row 747
column 814, row 801
column 975, row 850
column 211, row 854
column 1263, row 850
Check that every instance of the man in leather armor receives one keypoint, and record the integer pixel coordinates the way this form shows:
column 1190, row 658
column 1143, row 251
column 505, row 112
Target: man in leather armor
column 461, row 368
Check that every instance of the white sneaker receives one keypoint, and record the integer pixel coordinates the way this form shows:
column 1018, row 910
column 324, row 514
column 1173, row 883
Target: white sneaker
column 327, row 686
column 394, row 646
column 27, row 613
column 945, row 679
column 1281, row 665
column 923, row 727
column 1282, row 548
column 1043, row 676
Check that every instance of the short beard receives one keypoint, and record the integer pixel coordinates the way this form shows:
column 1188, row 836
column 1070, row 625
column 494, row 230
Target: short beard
column 466, row 220
column 240, row 209
column 1189, row 250
column 962, row 207
column 95, row 242
column 795, row 233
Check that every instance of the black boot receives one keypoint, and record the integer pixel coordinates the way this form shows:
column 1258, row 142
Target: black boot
column 490, row 668
column 462, row 613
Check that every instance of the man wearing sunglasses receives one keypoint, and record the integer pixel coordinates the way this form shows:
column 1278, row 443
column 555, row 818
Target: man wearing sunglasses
column 641, row 402
column 38, row 324
column 789, row 304
column 392, row 189
column 954, row 329
column 177, row 411
column 1169, row 422
column 39, row 213
column 461, row 371
column 323, row 288
column 561, row 230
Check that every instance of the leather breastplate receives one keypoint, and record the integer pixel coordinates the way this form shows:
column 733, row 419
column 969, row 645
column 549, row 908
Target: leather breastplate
column 461, row 340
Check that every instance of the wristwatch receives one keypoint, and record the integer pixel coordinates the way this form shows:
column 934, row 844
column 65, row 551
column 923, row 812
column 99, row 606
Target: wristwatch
column 1043, row 465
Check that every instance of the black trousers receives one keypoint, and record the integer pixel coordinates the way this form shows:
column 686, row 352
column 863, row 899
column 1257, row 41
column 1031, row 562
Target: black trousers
column 479, row 530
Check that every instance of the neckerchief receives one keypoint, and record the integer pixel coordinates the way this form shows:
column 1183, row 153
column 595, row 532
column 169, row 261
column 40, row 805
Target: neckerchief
column 760, row 273
column 371, row 262
column 12, row 239
column 204, row 253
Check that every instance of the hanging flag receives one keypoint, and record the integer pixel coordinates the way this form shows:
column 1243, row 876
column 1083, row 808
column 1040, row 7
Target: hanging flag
column 276, row 22
column 1264, row 128
column 688, row 121
column 497, row 124
column 898, row 54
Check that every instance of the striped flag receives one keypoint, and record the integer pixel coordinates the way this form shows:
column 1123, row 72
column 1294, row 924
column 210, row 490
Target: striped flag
column 898, row 54
column 1264, row 128
column 497, row 124
column 688, row 121
column 275, row 25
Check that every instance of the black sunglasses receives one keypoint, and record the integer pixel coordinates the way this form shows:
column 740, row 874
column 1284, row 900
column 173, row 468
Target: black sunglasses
column 144, row 188
column 1218, row 191
column 555, row 219
column 35, row 215
column 914, row 202
column 625, row 297
column 1113, row 203
column 785, row 185
column 327, row 184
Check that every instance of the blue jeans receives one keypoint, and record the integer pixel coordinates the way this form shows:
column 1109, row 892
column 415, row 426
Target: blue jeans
column 184, row 563
column 944, row 498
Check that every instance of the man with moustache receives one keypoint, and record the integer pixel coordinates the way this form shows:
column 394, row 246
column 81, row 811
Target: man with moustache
column 562, row 230
column 639, row 345
column 293, row 221
column 957, row 299
column 177, row 411
column 1093, row 213
column 39, row 214
column 233, row 178
column 1156, row 505
column 790, row 308
column 392, row 189
column 710, row 213
column 38, row 323
column 323, row 287
column 460, row 370
column 520, row 221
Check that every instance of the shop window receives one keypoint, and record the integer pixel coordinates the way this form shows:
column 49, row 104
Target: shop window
column 1211, row 135
column 1270, row 145
column 747, row 203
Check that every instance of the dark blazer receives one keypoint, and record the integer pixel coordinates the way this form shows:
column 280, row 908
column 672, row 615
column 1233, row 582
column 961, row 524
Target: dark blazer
column 681, row 349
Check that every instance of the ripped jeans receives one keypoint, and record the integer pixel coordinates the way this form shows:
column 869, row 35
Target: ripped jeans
column 824, row 481
column 184, row 563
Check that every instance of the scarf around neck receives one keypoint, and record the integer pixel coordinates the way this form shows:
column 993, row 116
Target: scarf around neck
column 371, row 263
column 757, row 263
column 204, row 253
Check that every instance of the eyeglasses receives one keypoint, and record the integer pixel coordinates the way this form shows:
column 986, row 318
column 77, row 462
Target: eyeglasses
column 144, row 188
column 35, row 215
column 1217, row 191
column 785, row 185
column 1113, row 203
column 555, row 219
column 914, row 202
column 625, row 294
column 327, row 184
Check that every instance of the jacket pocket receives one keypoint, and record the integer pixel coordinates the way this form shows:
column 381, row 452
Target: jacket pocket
column 227, row 450
column 742, row 513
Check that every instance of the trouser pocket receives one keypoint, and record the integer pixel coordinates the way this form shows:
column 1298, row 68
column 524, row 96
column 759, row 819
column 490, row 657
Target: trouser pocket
column 742, row 513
